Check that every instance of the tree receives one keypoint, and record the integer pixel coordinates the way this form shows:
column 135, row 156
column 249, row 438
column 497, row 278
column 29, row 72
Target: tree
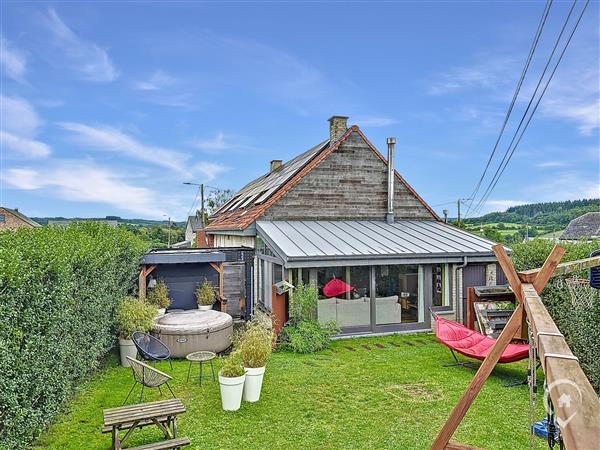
column 217, row 198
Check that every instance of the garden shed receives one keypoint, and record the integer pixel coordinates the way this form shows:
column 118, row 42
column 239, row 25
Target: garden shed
column 228, row 269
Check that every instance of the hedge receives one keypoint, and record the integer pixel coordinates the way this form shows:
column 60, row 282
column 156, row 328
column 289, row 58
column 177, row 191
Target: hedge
column 59, row 288
column 579, row 324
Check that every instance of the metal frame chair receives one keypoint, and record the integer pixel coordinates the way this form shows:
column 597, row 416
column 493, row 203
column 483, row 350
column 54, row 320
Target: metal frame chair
column 147, row 376
column 151, row 348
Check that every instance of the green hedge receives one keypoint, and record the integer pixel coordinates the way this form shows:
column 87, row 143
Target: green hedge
column 580, row 325
column 58, row 288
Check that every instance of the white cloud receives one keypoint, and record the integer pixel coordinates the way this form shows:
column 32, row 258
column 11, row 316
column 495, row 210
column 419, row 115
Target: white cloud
column 82, row 181
column 501, row 205
column 18, row 116
column 111, row 139
column 12, row 60
column 209, row 170
column 19, row 125
column 552, row 164
column 215, row 144
column 90, row 61
column 24, row 146
column 158, row 80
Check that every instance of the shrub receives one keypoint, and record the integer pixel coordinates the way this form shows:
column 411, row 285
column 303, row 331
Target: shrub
column 303, row 302
column 307, row 336
column 60, row 288
column 159, row 295
column 579, row 324
column 205, row 293
column 232, row 367
column 134, row 315
column 256, row 344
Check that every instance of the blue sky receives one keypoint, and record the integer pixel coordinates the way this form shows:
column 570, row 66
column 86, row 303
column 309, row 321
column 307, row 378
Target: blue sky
column 108, row 107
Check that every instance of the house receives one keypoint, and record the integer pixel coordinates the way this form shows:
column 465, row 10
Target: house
column 11, row 219
column 339, row 211
column 193, row 224
column 585, row 227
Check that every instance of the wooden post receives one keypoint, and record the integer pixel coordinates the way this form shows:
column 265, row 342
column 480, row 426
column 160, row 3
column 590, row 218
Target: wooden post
column 513, row 324
column 220, row 268
column 144, row 272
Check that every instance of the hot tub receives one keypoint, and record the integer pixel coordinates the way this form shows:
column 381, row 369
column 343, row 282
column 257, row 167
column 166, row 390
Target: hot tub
column 190, row 331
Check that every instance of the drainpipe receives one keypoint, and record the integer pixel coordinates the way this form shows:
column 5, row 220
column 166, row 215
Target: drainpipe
column 391, row 142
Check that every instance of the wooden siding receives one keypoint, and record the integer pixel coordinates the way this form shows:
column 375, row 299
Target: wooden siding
column 349, row 184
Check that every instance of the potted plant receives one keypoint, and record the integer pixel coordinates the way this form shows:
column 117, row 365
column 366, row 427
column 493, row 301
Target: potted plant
column 205, row 296
column 255, row 348
column 231, row 381
column 159, row 297
column 132, row 315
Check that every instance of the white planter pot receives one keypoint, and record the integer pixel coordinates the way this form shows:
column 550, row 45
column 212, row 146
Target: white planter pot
column 231, row 392
column 162, row 311
column 253, row 384
column 127, row 348
column 205, row 307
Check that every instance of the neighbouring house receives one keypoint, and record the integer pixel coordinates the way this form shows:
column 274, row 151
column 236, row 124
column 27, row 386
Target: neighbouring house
column 585, row 227
column 339, row 214
column 11, row 219
column 193, row 224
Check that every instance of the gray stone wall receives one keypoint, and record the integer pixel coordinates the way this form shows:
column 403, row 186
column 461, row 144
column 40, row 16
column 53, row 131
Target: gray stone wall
column 350, row 184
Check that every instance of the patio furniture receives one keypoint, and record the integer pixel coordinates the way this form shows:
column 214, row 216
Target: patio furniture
column 162, row 413
column 151, row 348
column 147, row 376
column 200, row 358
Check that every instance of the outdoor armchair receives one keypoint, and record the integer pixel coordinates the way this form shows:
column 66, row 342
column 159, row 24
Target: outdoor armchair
column 147, row 376
column 151, row 348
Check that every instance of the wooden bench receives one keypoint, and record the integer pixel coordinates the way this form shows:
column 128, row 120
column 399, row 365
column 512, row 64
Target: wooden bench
column 162, row 413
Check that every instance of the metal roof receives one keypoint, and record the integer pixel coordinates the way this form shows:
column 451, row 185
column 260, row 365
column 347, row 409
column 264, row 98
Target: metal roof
column 182, row 256
column 350, row 241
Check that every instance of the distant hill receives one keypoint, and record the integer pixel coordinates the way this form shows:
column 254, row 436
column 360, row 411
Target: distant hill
column 550, row 214
column 120, row 220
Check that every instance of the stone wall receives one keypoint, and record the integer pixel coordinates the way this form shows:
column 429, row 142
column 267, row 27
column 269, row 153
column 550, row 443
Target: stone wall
column 349, row 184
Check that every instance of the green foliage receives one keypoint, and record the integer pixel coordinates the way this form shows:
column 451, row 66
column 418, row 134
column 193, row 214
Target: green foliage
column 257, row 341
column 303, row 302
column 302, row 333
column 134, row 315
column 307, row 336
column 205, row 293
column 157, row 236
column 217, row 198
column 232, row 367
column 59, row 290
column 159, row 295
column 579, row 324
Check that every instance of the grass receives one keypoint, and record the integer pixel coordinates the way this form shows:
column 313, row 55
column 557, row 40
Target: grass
column 397, row 396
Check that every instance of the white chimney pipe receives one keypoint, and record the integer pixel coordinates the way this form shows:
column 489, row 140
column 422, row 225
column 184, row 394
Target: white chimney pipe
column 391, row 142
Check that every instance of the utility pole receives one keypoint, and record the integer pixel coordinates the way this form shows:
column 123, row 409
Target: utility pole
column 168, row 230
column 202, row 203
column 458, row 208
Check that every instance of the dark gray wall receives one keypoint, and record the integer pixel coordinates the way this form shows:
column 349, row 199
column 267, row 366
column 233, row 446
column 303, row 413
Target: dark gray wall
column 182, row 280
column 351, row 183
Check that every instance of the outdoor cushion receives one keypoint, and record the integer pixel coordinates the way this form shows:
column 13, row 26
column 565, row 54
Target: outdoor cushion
column 473, row 344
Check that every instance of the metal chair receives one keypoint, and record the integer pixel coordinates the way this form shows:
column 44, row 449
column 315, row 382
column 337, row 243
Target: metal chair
column 147, row 376
column 151, row 348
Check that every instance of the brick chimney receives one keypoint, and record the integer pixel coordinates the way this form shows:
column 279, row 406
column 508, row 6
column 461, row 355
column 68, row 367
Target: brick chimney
column 337, row 127
column 276, row 164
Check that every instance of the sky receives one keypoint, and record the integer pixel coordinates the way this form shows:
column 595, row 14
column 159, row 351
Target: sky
column 108, row 107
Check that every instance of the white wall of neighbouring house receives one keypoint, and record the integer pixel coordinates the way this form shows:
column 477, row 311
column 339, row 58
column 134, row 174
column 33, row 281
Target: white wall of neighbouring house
column 232, row 240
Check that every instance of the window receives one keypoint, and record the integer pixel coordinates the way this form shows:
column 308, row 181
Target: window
column 439, row 285
column 397, row 294
column 277, row 273
column 2, row 218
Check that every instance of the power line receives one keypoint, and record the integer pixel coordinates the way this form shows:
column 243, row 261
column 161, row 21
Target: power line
column 509, row 152
column 193, row 203
column 532, row 49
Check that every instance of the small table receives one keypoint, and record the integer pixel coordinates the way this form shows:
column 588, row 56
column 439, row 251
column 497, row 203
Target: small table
column 162, row 413
column 200, row 358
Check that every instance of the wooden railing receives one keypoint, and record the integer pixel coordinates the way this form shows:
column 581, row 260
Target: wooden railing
column 579, row 422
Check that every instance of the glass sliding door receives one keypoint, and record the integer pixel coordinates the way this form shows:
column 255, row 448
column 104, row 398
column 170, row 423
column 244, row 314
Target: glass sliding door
column 397, row 294
column 344, row 296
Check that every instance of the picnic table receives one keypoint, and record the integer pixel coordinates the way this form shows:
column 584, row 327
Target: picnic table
column 162, row 413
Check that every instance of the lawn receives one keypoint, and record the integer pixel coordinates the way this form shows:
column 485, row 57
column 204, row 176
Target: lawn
column 379, row 392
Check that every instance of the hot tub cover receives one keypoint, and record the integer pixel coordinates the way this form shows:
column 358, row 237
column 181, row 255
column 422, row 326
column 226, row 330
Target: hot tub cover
column 193, row 321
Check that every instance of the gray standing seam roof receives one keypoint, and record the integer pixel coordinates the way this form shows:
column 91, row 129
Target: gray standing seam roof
column 313, row 240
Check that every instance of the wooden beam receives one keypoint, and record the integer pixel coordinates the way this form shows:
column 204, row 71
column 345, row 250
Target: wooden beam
column 508, row 269
column 142, row 283
column 484, row 371
column 573, row 397
column 528, row 276
column 546, row 271
column 458, row 446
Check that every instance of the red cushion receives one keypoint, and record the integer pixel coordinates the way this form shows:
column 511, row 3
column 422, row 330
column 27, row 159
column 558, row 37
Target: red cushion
column 336, row 287
column 473, row 344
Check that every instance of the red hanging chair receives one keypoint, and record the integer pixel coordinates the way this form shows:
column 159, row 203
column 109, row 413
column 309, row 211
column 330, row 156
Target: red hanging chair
column 336, row 287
